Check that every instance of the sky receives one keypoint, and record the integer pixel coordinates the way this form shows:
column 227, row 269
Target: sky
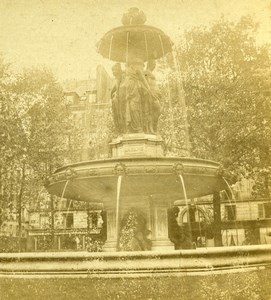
column 62, row 34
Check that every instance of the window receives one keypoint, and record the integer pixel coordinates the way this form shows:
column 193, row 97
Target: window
column 230, row 212
column 95, row 220
column 264, row 210
column 267, row 210
column 68, row 220
column 92, row 97
column 44, row 221
column 260, row 211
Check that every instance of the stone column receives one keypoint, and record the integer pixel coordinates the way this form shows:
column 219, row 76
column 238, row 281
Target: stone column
column 111, row 242
column 160, row 239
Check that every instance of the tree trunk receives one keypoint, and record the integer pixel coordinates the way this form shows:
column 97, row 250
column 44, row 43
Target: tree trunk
column 217, row 219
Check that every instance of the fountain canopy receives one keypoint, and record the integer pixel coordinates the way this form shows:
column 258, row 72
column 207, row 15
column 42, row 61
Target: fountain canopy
column 134, row 38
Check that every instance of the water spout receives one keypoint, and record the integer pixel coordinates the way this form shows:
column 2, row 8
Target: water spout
column 64, row 190
column 110, row 47
column 146, row 45
column 199, row 220
column 229, row 188
column 230, row 198
column 62, row 195
column 187, row 206
column 117, row 209
column 127, row 47
column 69, row 207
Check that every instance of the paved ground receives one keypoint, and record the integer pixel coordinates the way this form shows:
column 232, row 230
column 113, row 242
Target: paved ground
column 254, row 285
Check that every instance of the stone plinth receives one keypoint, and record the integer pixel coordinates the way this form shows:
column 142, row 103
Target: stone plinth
column 137, row 145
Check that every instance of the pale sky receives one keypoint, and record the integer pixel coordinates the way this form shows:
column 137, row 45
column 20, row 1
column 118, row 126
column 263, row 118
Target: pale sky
column 62, row 34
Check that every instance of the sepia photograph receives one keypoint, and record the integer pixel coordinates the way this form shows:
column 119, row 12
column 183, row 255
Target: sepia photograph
column 135, row 149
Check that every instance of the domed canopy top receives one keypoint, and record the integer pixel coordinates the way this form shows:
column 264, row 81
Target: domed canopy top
column 137, row 39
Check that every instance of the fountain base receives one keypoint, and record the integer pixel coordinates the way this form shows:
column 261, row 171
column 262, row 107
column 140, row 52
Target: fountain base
column 137, row 145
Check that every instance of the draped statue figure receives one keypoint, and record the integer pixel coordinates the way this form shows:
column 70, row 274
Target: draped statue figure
column 154, row 97
column 135, row 98
column 118, row 105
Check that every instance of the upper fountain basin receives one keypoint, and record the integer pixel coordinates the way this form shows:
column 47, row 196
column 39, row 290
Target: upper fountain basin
column 158, row 177
column 147, row 42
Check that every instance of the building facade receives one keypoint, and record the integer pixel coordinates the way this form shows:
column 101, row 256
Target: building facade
column 61, row 224
column 245, row 219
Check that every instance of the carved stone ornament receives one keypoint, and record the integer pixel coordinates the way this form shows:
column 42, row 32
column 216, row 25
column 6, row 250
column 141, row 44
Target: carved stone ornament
column 150, row 169
column 92, row 172
column 120, row 169
column 178, row 168
column 203, row 170
column 70, row 173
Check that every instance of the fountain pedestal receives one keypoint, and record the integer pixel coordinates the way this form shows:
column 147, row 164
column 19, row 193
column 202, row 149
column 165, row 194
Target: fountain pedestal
column 156, row 217
column 137, row 145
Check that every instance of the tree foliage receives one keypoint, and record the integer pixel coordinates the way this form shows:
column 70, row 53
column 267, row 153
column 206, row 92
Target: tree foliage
column 226, row 80
column 35, row 125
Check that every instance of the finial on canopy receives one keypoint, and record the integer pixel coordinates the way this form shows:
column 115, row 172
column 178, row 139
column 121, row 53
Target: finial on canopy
column 134, row 16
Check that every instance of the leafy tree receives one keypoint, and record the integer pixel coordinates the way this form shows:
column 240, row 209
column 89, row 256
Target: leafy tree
column 35, row 126
column 226, row 80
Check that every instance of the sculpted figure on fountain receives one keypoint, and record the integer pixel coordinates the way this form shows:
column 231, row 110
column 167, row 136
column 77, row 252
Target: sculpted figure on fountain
column 118, row 101
column 154, row 97
column 135, row 98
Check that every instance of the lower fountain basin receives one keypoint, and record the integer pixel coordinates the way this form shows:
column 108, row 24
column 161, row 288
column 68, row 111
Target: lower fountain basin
column 219, row 273
column 137, row 264
column 96, row 181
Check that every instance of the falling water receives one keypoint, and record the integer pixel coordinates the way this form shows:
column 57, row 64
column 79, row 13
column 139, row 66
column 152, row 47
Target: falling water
column 110, row 47
column 229, row 188
column 146, row 46
column 66, row 215
column 230, row 198
column 172, row 138
column 198, row 212
column 127, row 47
column 186, row 203
column 182, row 99
column 117, row 209
column 64, row 190
column 62, row 195
column 69, row 207
column 168, row 87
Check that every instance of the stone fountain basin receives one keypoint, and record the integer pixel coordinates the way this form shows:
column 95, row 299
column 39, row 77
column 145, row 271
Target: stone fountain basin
column 142, row 263
column 158, row 177
column 241, row 273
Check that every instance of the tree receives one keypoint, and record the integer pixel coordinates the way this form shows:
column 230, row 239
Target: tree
column 226, row 80
column 35, row 125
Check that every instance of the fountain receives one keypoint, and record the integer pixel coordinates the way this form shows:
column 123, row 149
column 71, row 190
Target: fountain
column 140, row 176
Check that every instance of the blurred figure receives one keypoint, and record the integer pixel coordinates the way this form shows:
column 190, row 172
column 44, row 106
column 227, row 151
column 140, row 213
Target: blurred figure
column 118, row 107
column 154, row 97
